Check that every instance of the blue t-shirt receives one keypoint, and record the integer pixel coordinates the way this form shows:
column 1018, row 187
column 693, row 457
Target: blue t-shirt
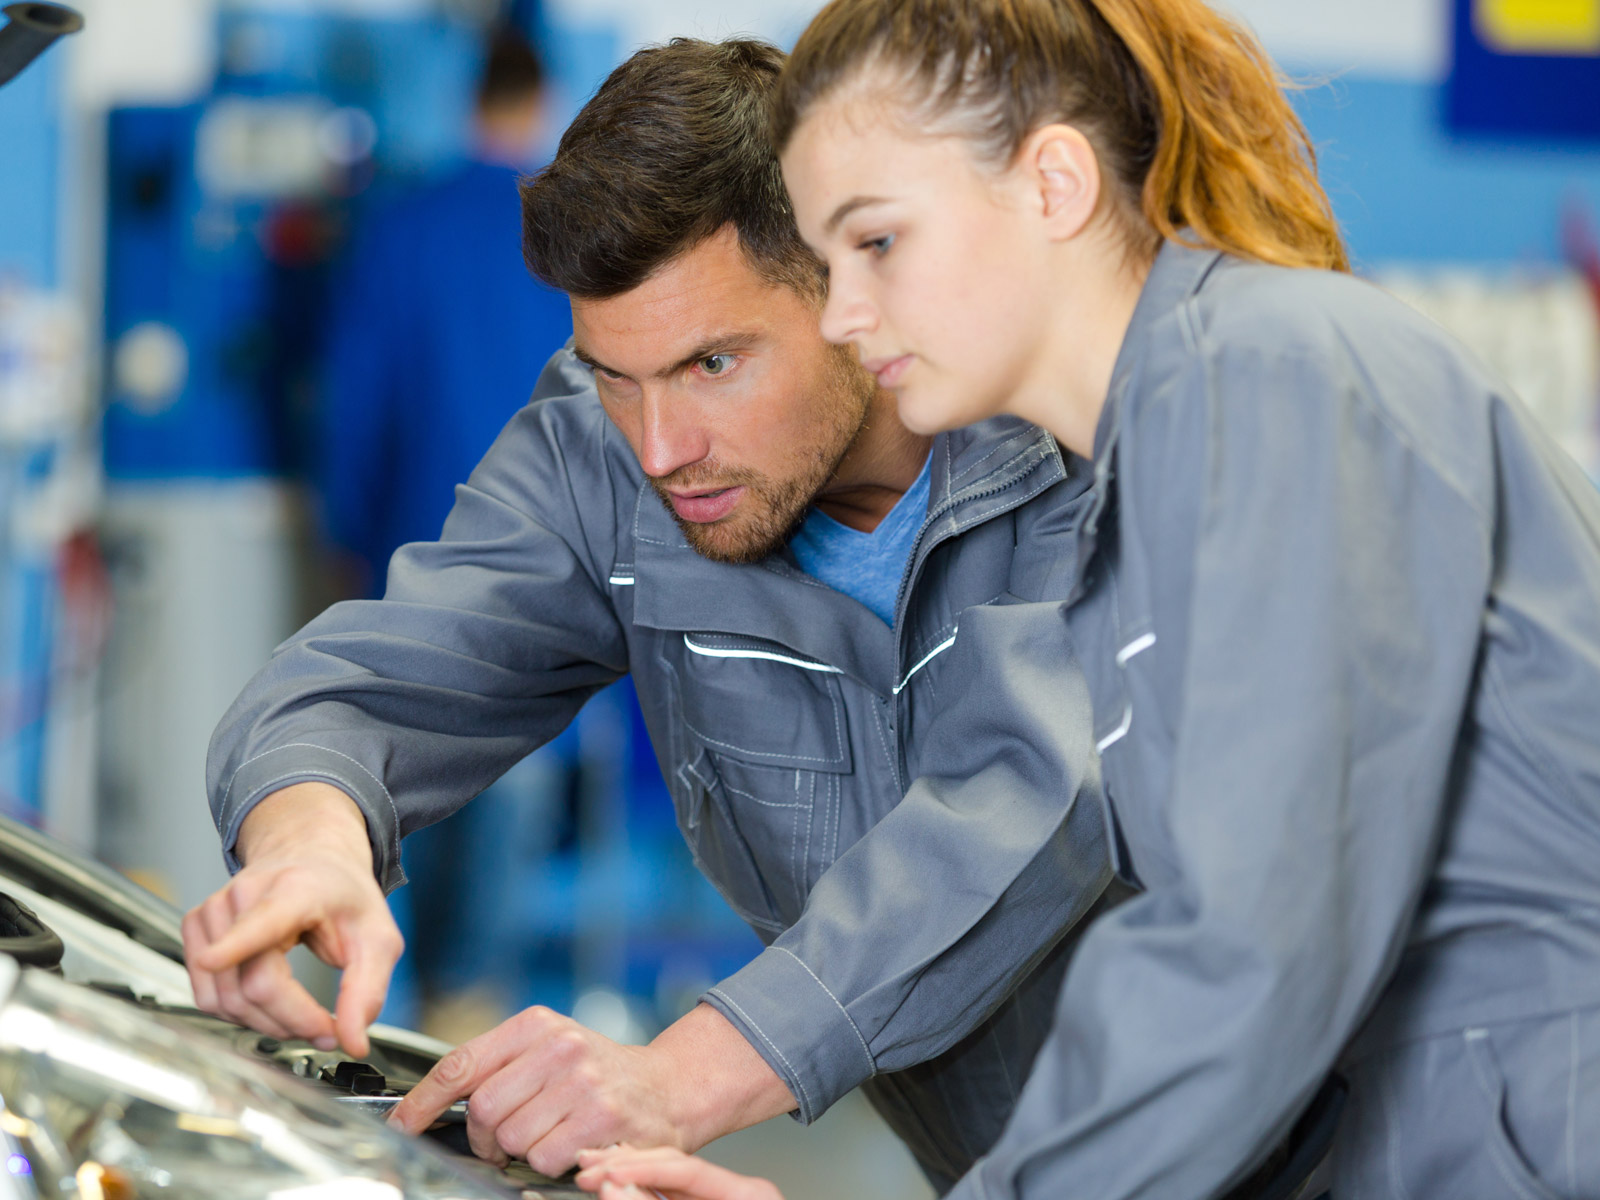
column 865, row 566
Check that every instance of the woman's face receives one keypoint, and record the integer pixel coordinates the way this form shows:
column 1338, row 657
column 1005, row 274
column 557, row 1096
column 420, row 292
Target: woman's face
column 935, row 272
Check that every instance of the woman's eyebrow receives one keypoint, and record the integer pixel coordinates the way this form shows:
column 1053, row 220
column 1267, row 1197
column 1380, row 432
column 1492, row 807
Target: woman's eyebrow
column 848, row 207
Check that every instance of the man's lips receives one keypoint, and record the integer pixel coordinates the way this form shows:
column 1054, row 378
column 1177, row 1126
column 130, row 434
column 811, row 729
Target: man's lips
column 888, row 370
column 705, row 507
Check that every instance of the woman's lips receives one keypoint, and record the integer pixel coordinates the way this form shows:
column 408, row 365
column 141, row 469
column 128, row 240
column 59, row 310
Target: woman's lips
column 706, row 507
column 889, row 370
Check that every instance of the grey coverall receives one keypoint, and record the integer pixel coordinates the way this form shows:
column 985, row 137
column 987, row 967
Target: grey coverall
column 815, row 758
column 1338, row 600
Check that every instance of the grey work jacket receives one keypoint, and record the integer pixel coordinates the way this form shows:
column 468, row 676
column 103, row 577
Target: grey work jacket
column 817, row 760
column 1338, row 602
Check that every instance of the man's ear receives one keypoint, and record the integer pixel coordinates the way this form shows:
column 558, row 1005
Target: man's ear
column 1061, row 173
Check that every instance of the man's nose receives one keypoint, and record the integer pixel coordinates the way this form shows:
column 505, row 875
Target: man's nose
column 670, row 437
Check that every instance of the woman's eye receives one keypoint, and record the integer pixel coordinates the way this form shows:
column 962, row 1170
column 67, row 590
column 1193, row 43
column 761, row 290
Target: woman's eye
column 716, row 364
column 878, row 246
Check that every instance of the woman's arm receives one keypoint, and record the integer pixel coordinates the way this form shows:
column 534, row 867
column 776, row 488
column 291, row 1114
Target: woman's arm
column 1294, row 726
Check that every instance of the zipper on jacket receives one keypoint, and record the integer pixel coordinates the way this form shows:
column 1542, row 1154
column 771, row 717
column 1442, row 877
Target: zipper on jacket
column 918, row 558
column 919, row 553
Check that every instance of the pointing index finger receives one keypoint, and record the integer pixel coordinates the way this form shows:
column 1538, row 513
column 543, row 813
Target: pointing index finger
column 459, row 1074
column 454, row 1076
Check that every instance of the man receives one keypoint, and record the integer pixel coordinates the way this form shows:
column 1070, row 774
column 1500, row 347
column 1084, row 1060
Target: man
column 844, row 639
column 436, row 332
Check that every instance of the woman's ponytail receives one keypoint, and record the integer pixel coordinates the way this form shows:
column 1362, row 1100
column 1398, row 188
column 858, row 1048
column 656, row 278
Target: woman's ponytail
column 1233, row 166
column 1184, row 107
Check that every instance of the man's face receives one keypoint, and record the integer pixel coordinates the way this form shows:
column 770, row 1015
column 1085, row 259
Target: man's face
column 739, row 411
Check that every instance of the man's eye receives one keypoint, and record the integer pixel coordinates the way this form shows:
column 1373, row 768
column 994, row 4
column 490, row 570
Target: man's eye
column 716, row 364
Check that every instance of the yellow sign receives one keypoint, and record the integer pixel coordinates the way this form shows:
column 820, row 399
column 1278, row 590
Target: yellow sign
column 1558, row 27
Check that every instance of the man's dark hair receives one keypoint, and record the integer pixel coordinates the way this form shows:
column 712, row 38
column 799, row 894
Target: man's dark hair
column 511, row 72
column 672, row 148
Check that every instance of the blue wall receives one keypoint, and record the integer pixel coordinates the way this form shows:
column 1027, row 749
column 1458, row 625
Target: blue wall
column 30, row 123
column 1406, row 189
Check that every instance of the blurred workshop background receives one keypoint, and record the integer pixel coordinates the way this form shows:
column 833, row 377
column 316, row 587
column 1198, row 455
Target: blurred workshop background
column 261, row 304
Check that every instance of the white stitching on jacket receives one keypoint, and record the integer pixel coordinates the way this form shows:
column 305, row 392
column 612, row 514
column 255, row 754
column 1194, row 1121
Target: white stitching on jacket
column 393, row 812
column 834, row 699
column 799, row 1083
column 871, row 1065
column 757, row 799
column 731, row 748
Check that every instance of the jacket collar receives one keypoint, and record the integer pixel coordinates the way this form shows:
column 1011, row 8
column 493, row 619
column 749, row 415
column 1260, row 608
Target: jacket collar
column 977, row 474
column 1177, row 274
column 1175, row 277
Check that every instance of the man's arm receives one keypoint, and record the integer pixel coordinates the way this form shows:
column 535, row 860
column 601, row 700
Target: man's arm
column 626, row 1173
column 545, row 1088
column 923, row 927
column 487, row 643
column 906, row 944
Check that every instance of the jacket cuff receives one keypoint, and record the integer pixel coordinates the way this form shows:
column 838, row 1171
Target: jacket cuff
column 798, row 1025
column 264, row 774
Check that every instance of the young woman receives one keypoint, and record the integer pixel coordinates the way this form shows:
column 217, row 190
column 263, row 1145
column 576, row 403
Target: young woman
column 1337, row 599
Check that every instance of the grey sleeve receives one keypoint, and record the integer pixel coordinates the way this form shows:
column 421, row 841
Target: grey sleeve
column 484, row 647
column 1329, row 614
column 918, row 931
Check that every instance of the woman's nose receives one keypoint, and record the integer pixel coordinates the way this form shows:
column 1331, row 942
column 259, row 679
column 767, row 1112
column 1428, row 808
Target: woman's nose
column 847, row 314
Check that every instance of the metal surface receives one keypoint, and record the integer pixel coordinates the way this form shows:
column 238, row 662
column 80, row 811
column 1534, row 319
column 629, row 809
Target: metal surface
column 95, row 1084
column 47, row 866
column 381, row 1106
column 125, row 944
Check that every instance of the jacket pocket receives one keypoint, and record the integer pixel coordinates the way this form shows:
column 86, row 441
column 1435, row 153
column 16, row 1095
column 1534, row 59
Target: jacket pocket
column 759, row 702
column 1502, row 1146
column 719, row 849
column 764, row 746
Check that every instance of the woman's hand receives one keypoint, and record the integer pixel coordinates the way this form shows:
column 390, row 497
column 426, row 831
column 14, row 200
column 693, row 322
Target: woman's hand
column 623, row 1173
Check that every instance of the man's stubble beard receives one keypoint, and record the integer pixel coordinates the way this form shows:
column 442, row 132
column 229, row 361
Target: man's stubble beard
column 773, row 509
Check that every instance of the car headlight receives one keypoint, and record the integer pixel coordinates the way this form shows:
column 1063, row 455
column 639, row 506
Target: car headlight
column 104, row 1098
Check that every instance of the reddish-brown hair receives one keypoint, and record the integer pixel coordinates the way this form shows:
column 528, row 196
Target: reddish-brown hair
column 1184, row 108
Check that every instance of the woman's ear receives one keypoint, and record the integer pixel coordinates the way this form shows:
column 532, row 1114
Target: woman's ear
column 1062, row 175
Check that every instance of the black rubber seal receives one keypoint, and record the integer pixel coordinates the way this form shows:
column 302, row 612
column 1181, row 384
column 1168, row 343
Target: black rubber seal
column 26, row 938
